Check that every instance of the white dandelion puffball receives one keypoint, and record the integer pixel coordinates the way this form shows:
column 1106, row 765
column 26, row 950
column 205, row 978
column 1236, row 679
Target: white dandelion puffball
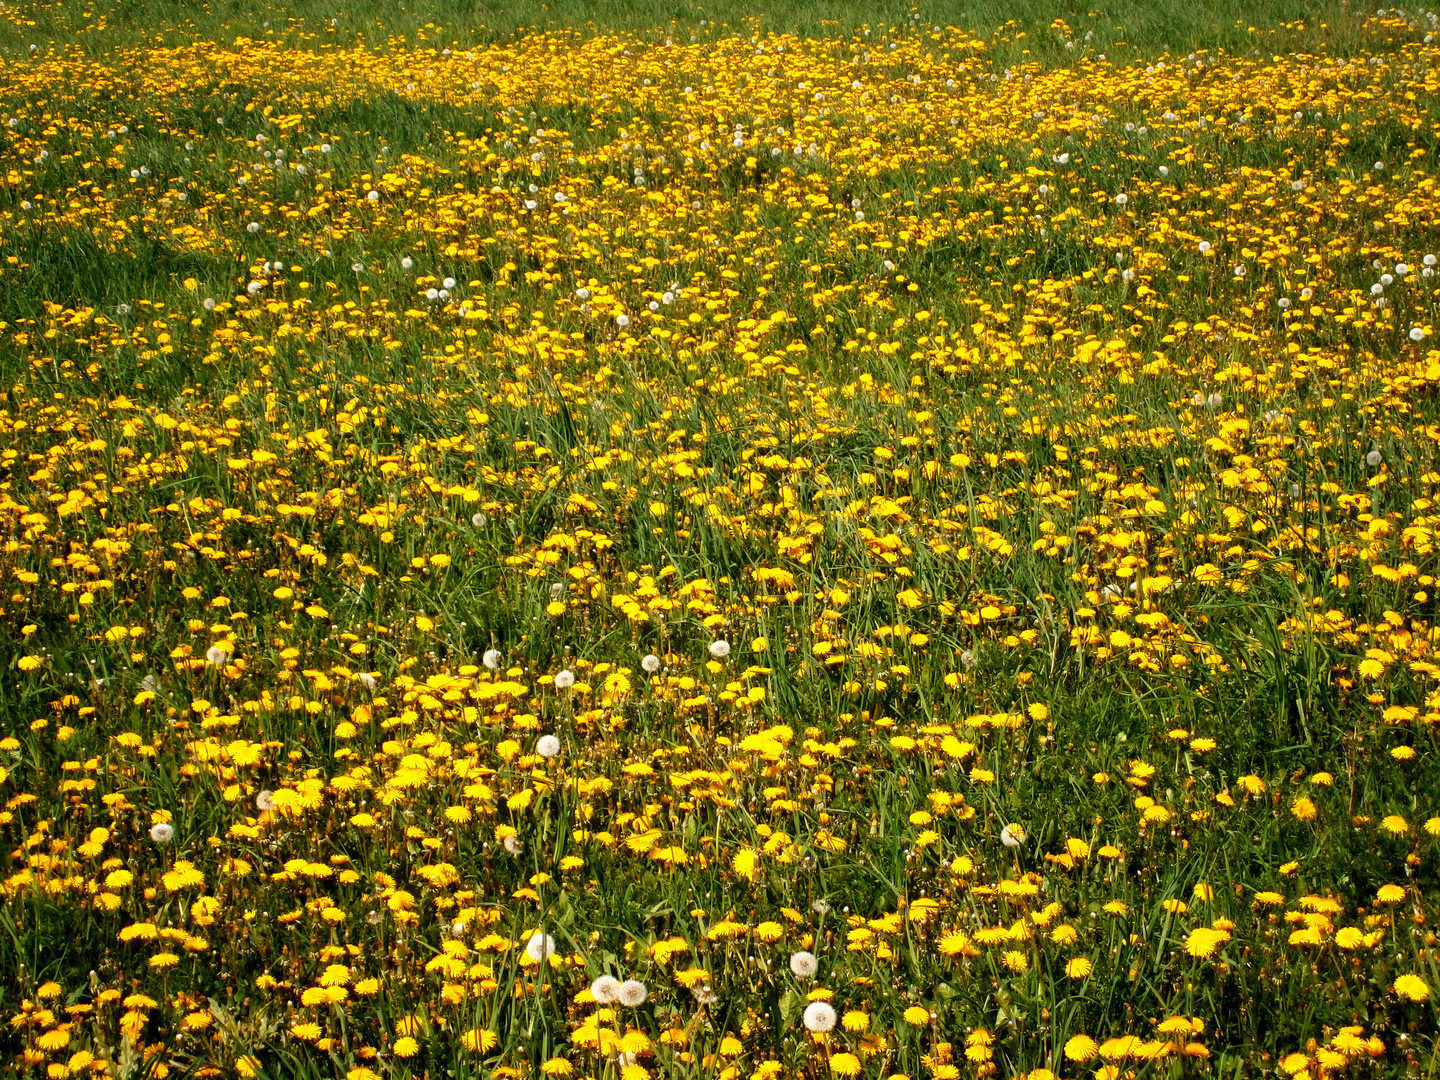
column 209, row 304
column 633, row 993
column 491, row 659
column 1012, row 835
column 407, row 263
column 651, row 663
column 804, row 964
column 217, row 656
column 622, row 321
column 1204, row 246
column 513, row 845
column 541, row 946
column 162, row 832
column 819, row 1017
column 1417, row 334
column 720, row 649
column 547, row 746
column 565, row 680
column 478, row 520
column 1121, row 199
column 265, row 801
column 582, row 294
column 1372, row 458
column 606, row 990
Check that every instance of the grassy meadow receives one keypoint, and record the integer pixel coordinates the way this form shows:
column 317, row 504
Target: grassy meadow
column 632, row 541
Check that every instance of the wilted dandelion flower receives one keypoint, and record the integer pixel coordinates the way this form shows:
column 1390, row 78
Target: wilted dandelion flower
column 541, row 946
column 162, row 832
column 547, row 746
column 804, row 964
column 819, row 1017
